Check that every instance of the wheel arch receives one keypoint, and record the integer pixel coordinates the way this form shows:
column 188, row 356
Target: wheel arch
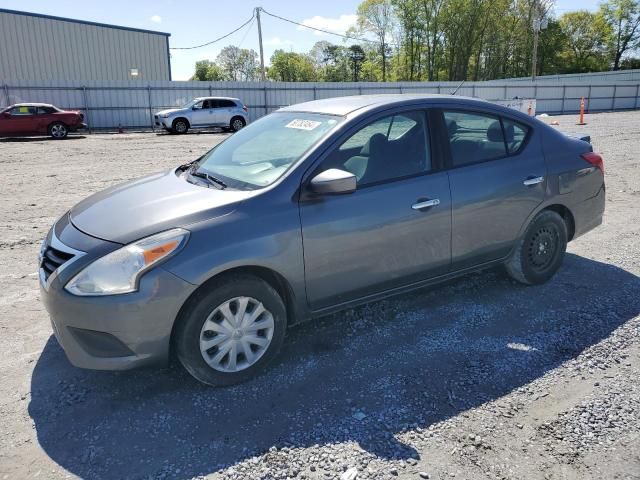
column 566, row 215
column 173, row 122
column 273, row 278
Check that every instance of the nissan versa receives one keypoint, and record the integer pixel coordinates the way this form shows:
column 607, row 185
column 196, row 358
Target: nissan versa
column 314, row 208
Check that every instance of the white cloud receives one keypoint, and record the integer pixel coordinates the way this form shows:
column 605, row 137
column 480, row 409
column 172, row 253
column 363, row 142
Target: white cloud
column 156, row 19
column 277, row 42
column 336, row 25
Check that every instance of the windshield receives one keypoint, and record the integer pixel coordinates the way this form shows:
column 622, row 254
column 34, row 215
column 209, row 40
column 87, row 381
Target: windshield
column 190, row 103
column 262, row 152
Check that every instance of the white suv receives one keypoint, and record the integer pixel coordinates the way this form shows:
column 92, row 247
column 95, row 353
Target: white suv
column 204, row 112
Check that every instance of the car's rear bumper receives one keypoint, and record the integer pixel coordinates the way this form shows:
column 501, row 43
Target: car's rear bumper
column 115, row 332
column 588, row 214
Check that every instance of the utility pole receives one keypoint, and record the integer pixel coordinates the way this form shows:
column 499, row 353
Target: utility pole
column 536, row 32
column 262, row 74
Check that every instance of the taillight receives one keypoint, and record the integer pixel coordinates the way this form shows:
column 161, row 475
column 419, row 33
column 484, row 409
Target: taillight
column 244, row 107
column 594, row 159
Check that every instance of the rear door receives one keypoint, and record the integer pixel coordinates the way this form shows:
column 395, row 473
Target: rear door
column 224, row 112
column 394, row 229
column 497, row 174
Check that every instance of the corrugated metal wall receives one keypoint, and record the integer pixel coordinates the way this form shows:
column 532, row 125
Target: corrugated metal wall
column 132, row 103
column 36, row 47
column 611, row 77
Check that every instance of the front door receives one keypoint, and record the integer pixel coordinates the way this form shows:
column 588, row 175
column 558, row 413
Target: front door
column 203, row 113
column 498, row 178
column 393, row 230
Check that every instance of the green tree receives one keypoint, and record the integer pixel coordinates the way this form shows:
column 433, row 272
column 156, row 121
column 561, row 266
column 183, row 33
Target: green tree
column 207, row 71
column 291, row 67
column 238, row 64
column 586, row 35
column 356, row 56
column 623, row 17
column 376, row 17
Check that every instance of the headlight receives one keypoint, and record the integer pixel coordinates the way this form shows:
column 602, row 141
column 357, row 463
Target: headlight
column 118, row 272
column 165, row 115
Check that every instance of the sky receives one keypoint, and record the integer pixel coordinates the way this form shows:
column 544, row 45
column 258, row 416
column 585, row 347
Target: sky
column 193, row 22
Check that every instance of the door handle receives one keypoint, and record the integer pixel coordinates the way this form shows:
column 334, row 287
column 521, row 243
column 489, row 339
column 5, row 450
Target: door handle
column 533, row 181
column 426, row 204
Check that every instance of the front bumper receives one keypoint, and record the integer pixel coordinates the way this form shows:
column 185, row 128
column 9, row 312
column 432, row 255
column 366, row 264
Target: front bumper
column 77, row 126
column 162, row 122
column 116, row 332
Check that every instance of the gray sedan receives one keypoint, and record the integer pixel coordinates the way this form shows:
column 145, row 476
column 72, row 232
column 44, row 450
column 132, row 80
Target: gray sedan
column 312, row 209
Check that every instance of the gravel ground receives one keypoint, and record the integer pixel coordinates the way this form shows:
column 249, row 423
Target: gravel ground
column 478, row 378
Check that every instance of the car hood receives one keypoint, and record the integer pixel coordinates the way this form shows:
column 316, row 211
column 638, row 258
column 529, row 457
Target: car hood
column 170, row 111
column 142, row 207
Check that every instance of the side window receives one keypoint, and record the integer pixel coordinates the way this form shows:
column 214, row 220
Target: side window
column 514, row 135
column 474, row 137
column 206, row 104
column 199, row 105
column 387, row 149
column 22, row 111
column 226, row 104
column 45, row 110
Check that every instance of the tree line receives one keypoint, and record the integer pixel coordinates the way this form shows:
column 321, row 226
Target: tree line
column 439, row 40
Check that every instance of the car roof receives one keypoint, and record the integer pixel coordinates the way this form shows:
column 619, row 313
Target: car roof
column 32, row 105
column 346, row 105
column 217, row 98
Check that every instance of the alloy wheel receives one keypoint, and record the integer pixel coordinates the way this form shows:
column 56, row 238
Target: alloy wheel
column 58, row 131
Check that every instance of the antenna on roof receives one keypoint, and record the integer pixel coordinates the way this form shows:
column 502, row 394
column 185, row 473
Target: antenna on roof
column 457, row 88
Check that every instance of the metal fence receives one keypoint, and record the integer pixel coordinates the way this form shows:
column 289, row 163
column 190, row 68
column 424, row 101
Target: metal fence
column 131, row 104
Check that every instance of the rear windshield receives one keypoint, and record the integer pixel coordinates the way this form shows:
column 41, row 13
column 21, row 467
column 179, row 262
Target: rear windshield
column 262, row 152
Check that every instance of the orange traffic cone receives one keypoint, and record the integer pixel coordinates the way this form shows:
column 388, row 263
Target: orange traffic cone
column 581, row 120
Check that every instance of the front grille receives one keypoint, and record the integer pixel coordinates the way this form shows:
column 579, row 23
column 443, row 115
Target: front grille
column 52, row 259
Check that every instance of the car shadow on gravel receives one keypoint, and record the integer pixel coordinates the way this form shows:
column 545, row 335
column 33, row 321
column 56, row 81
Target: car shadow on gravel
column 39, row 139
column 365, row 375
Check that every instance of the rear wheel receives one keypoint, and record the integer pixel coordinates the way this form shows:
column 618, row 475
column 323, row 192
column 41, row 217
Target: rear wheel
column 58, row 130
column 237, row 123
column 180, row 126
column 230, row 332
column 539, row 253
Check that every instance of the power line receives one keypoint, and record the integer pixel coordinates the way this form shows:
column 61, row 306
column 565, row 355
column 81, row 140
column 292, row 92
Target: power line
column 247, row 32
column 217, row 39
column 348, row 37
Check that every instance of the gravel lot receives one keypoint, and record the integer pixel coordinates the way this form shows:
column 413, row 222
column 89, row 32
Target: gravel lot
column 479, row 378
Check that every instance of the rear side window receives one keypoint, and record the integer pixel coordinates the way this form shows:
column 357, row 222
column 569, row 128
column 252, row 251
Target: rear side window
column 45, row 110
column 474, row 137
column 514, row 135
column 226, row 104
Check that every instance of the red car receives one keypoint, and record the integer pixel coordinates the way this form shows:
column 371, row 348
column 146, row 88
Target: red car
column 33, row 119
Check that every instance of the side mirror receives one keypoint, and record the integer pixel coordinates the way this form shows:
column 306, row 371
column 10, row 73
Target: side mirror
column 333, row 182
column 6, row 114
column 194, row 108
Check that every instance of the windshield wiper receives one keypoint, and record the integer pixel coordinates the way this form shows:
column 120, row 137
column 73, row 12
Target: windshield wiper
column 210, row 178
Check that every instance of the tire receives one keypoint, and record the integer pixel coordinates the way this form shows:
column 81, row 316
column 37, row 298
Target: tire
column 205, row 311
column 540, row 251
column 237, row 123
column 58, row 130
column 180, row 126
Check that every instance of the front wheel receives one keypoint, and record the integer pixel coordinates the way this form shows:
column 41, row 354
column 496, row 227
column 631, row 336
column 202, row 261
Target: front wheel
column 539, row 253
column 58, row 130
column 231, row 331
column 180, row 126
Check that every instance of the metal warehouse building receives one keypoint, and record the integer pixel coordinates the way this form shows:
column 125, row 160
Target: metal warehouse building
column 36, row 47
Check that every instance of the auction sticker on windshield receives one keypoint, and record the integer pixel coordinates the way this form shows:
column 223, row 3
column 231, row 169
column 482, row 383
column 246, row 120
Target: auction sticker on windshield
column 302, row 124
